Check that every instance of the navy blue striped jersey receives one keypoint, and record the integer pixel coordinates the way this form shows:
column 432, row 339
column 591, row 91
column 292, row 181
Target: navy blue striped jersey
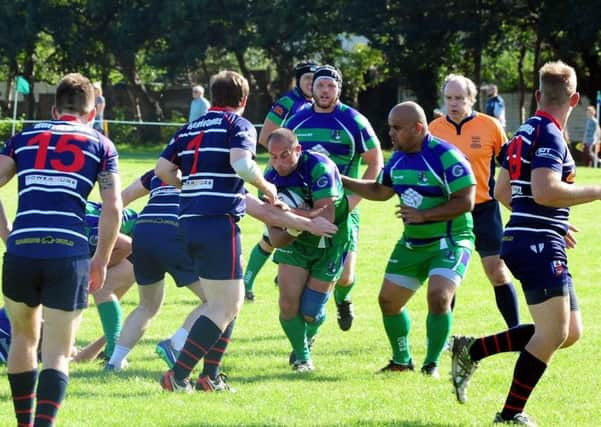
column 426, row 179
column 201, row 150
column 538, row 143
column 163, row 202
column 57, row 165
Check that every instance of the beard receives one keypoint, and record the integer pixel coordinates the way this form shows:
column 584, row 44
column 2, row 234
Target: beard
column 326, row 104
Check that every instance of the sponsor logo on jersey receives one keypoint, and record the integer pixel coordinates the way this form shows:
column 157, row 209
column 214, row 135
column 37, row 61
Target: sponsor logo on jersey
column 526, row 128
column 457, row 171
column 198, row 184
column 323, row 182
column 422, row 178
column 412, row 198
column 205, row 123
column 476, row 145
column 279, row 110
column 547, row 153
column 51, row 181
column 335, row 135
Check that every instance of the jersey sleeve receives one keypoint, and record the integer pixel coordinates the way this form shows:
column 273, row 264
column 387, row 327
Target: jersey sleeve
column 384, row 177
column 367, row 136
column 324, row 181
column 457, row 171
column 549, row 151
column 110, row 157
column 278, row 112
column 171, row 150
column 244, row 136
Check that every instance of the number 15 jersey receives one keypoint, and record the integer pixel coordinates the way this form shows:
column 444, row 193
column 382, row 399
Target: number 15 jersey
column 57, row 164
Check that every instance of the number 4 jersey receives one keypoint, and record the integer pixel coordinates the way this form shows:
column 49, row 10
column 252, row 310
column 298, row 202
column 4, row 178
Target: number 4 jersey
column 57, row 164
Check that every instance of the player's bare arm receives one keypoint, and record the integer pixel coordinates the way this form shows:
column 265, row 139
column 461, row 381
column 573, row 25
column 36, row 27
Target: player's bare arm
column 374, row 161
column 108, row 227
column 133, row 191
column 5, row 225
column 277, row 217
column 268, row 127
column 549, row 190
column 503, row 188
column 368, row 189
column 168, row 172
column 460, row 202
column 8, row 168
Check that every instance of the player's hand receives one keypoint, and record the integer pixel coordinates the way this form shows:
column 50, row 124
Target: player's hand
column 322, row 227
column 270, row 192
column 283, row 206
column 97, row 275
column 569, row 238
column 410, row 215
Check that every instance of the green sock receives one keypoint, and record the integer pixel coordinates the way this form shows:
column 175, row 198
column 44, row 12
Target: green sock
column 397, row 328
column 258, row 258
column 295, row 330
column 341, row 292
column 438, row 328
column 313, row 328
column 111, row 319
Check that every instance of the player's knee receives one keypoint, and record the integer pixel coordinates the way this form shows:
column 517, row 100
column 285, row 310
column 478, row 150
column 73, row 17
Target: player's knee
column 313, row 305
column 346, row 279
column 288, row 307
column 439, row 301
column 388, row 305
column 575, row 333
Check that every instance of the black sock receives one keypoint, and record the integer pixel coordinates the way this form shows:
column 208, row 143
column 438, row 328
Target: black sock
column 514, row 339
column 22, row 386
column 203, row 335
column 212, row 360
column 528, row 370
column 52, row 386
column 507, row 303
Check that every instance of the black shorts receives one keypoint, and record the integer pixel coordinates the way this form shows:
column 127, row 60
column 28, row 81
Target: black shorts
column 59, row 283
column 488, row 228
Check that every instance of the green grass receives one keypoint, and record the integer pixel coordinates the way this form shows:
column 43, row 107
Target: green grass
column 343, row 390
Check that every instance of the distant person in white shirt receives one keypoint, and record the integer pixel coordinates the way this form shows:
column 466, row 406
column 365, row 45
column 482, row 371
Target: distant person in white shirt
column 199, row 105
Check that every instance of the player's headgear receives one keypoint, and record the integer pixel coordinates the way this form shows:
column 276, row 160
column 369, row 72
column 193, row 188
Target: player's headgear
column 303, row 68
column 328, row 72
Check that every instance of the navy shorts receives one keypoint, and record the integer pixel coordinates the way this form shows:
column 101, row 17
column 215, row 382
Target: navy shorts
column 159, row 250
column 541, row 265
column 214, row 244
column 59, row 283
column 488, row 228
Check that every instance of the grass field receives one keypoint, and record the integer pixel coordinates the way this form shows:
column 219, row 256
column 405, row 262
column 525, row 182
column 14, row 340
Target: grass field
column 343, row 390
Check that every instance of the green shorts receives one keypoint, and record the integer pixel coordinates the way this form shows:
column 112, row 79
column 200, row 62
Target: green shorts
column 354, row 230
column 409, row 267
column 324, row 264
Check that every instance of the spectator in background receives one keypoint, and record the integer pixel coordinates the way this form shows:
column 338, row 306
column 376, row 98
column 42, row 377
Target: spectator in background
column 100, row 104
column 495, row 106
column 591, row 137
column 199, row 105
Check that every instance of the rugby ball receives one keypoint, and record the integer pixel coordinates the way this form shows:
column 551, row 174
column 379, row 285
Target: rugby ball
column 292, row 200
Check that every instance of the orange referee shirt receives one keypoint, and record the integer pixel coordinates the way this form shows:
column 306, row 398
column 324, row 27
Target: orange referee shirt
column 480, row 138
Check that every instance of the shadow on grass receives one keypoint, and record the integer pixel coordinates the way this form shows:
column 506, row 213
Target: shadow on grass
column 368, row 423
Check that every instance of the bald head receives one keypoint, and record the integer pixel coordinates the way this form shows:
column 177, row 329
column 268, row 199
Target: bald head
column 410, row 112
column 408, row 126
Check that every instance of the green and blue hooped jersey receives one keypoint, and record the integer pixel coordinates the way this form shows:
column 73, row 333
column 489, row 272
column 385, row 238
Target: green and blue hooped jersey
column 426, row 179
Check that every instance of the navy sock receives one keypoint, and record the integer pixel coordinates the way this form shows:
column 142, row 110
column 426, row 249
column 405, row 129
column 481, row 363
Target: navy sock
column 203, row 335
column 528, row 370
column 507, row 303
column 22, row 386
column 514, row 339
column 52, row 386
column 212, row 360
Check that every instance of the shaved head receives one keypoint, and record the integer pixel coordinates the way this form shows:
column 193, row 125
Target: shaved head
column 411, row 112
column 408, row 126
